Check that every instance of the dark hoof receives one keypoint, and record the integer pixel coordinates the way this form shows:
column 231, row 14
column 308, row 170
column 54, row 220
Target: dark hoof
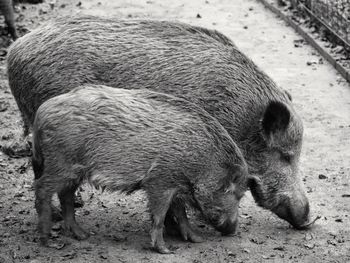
column 163, row 250
column 80, row 234
column 76, row 231
column 188, row 234
column 194, row 238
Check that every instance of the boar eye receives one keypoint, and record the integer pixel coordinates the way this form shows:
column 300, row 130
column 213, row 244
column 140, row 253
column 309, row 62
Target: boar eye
column 286, row 157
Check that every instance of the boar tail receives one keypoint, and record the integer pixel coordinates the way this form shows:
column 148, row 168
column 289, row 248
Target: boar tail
column 37, row 157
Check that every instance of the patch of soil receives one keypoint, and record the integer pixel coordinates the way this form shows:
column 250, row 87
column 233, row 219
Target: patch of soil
column 119, row 225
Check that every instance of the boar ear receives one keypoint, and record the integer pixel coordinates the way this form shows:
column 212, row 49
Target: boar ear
column 276, row 117
column 235, row 175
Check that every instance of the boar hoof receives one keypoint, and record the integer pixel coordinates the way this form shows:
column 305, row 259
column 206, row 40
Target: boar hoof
column 195, row 238
column 188, row 234
column 163, row 250
column 77, row 232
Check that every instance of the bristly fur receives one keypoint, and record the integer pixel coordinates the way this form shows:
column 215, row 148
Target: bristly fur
column 197, row 64
column 92, row 125
column 127, row 140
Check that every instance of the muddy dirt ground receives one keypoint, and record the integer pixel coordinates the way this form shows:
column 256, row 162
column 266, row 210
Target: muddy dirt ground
column 119, row 225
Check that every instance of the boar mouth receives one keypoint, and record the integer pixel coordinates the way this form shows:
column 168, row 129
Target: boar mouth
column 298, row 217
column 227, row 228
column 295, row 213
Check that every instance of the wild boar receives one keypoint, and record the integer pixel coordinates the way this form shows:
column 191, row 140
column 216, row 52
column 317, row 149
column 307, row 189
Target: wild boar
column 197, row 64
column 127, row 140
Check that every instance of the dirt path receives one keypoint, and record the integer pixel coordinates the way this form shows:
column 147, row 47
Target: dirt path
column 119, row 225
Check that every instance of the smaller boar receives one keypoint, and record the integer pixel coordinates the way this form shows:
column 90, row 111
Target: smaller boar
column 6, row 8
column 128, row 140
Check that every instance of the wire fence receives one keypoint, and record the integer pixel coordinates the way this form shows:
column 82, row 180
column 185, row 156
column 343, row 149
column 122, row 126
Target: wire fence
column 334, row 15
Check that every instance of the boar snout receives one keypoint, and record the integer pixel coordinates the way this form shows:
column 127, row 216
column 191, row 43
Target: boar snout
column 228, row 227
column 291, row 205
column 296, row 212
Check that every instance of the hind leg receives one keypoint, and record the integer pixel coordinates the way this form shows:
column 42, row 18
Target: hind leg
column 43, row 197
column 38, row 169
column 66, row 197
column 57, row 213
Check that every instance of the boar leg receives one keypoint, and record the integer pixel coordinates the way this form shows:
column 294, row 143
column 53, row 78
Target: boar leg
column 159, row 205
column 43, row 197
column 187, row 233
column 57, row 213
column 10, row 21
column 66, row 197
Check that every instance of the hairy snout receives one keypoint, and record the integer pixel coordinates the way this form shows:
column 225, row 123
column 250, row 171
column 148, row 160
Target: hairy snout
column 295, row 210
column 228, row 227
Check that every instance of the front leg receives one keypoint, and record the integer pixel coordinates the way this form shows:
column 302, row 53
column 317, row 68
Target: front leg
column 159, row 205
column 177, row 222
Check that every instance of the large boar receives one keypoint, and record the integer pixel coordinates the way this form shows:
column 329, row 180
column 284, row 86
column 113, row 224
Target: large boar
column 126, row 140
column 197, row 64
column 6, row 8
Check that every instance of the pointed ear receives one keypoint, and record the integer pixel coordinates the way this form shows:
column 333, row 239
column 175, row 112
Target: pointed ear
column 234, row 178
column 276, row 117
column 227, row 184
